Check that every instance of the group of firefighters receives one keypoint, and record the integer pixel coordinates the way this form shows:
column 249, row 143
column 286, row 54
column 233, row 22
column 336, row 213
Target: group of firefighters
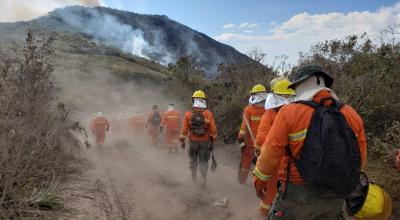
column 308, row 149
column 135, row 125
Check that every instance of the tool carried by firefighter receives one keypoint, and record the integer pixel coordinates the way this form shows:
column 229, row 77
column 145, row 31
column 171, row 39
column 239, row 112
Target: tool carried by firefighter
column 252, row 137
column 213, row 161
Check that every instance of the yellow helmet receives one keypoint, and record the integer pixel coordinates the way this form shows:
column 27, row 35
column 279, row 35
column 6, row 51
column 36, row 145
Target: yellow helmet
column 199, row 94
column 377, row 205
column 258, row 88
column 280, row 86
column 369, row 201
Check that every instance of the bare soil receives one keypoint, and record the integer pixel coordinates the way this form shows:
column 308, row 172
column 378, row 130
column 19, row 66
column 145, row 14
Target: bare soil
column 135, row 181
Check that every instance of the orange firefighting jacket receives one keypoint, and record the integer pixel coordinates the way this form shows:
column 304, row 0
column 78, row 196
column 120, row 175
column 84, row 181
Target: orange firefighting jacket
column 99, row 125
column 290, row 128
column 253, row 114
column 150, row 118
column 265, row 125
column 171, row 120
column 209, row 123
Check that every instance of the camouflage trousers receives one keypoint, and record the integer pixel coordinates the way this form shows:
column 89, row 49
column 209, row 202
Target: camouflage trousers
column 304, row 203
column 199, row 155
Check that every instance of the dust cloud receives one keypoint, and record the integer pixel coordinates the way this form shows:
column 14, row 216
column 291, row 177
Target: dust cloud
column 147, row 182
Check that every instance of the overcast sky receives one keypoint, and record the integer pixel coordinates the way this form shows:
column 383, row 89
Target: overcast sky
column 277, row 27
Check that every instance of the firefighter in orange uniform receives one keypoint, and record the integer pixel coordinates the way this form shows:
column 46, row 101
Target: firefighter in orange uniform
column 171, row 122
column 280, row 96
column 199, row 126
column 153, row 123
column 286, row 140
column 99, row 126
column 250, row 121
column 137, row 124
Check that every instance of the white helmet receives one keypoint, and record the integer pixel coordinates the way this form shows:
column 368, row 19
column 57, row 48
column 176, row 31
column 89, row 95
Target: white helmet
column 99, row 114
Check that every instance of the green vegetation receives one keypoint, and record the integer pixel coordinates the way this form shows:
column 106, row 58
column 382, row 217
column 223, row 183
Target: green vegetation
column 366, row 76
column 227, row 94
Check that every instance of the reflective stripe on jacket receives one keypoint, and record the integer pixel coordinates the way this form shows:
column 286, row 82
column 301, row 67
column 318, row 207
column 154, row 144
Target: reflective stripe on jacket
column 171, row 120
column 253, row 114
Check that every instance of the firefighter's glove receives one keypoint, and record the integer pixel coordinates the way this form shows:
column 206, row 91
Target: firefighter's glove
column 182, row 140
column 260, row 187
column 242, row 145
column 107, row 129
column 183, row 146
column 241, row 138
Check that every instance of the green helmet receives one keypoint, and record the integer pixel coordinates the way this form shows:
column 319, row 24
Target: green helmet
column 310, row 70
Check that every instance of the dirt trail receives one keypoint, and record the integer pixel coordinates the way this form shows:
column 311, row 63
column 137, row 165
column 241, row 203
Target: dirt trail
column 134, row 181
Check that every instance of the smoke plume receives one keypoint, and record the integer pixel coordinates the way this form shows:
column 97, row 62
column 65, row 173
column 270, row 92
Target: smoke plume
column 22, row 10
column 107, row 29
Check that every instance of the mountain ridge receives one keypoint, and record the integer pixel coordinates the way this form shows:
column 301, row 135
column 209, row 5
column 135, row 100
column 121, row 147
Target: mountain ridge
column 155, row 37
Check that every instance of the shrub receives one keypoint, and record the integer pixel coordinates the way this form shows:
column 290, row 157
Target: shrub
column 227, row 95
column 31, row 124
column 366, row 77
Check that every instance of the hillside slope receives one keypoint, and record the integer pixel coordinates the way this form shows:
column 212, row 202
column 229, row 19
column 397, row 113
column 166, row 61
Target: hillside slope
column 154, row 37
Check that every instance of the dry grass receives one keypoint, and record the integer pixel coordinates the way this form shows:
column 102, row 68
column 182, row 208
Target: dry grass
column 389, row 178
column 31, row 124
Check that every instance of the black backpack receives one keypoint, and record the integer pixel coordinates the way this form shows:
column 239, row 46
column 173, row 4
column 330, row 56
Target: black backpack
column 156, row 120
column 330, row 160
column 198, row 123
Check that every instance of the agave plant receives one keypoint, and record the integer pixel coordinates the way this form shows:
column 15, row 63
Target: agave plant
column 47, row 198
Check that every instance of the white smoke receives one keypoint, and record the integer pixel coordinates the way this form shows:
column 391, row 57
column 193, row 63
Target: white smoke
column 22, row 10
column 108, row 30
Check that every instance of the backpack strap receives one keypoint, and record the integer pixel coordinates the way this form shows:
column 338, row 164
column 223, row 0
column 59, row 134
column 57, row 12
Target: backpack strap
column 339, row 105
column 193, row 111
column 315, row 105
column 308, row 103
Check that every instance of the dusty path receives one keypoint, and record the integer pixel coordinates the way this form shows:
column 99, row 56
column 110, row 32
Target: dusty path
column 135, row 181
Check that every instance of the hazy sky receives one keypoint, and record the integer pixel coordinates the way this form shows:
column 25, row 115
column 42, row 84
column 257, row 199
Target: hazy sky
column 277, row 27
